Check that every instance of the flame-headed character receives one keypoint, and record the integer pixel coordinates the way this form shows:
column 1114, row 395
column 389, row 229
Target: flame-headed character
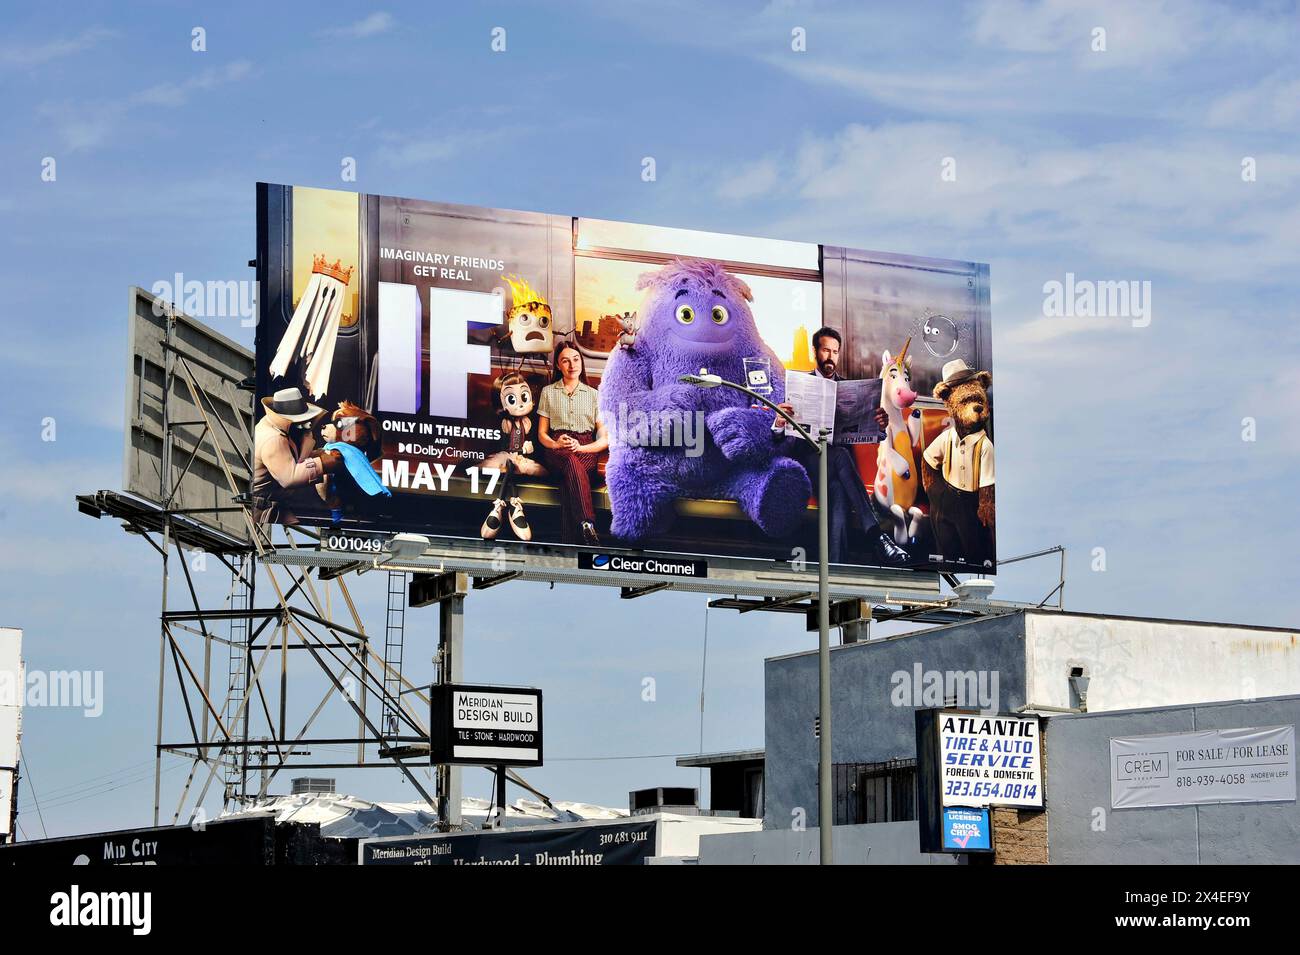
column 528, row 321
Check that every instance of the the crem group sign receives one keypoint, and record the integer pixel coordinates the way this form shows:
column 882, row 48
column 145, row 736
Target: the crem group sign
column 516, row 377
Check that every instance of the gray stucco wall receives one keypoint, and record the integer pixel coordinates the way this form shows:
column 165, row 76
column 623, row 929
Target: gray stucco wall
column 886, row 843
column 1078, row 794
column 866, row 724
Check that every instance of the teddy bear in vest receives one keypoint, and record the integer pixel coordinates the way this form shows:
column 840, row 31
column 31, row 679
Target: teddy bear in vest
column 958, row 471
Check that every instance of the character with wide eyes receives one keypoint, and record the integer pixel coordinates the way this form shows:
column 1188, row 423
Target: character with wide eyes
column 352, row 436
column 528, row 322
column 958, row 472
column 696, row 317
column 515, row 408
column 897, row 474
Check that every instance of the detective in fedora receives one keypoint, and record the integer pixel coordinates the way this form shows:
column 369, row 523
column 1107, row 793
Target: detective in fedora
column 286, row 463
column 958, row 472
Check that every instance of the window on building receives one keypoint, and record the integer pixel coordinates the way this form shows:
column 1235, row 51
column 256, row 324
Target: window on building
column 875, row 792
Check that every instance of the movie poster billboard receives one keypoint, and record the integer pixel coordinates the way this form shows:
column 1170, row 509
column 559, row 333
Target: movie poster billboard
column 516, row 378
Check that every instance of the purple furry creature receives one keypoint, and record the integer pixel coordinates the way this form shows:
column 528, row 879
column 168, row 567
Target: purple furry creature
column 696, row 316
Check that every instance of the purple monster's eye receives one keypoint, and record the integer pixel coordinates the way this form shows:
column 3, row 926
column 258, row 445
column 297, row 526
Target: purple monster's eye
column 685, row 314
column 720, row 315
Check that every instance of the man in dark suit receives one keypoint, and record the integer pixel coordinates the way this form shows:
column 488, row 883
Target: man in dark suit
column 850, row 504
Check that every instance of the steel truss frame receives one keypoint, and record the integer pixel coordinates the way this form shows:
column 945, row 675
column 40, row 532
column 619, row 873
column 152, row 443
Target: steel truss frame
column 221, row 731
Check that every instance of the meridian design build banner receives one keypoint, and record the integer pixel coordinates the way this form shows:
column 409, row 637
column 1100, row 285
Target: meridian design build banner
column 1255, row 764
column 990, row 760
column 477, row 374
column 613, row 844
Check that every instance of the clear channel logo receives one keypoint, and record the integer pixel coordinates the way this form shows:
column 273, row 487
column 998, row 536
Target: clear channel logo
column 652, row 566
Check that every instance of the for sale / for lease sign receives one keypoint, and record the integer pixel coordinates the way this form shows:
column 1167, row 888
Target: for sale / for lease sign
column 1254, row 764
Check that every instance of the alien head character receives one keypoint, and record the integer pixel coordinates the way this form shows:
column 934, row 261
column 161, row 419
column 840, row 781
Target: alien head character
column 529, row 318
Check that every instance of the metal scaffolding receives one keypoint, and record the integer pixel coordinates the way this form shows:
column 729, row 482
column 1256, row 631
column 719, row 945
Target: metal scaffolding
column 243, row 716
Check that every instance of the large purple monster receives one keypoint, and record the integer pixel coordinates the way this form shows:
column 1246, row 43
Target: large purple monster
column 696, row 316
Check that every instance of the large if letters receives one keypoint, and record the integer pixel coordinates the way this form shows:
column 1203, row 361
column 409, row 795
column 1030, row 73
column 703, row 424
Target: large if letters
column 451, row 357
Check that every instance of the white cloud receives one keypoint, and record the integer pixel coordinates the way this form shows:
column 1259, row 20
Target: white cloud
column 85, row 124
column 1141, row 206
column 177, row 94
column 29, row 55
column 415, row 149
column 1151, row 33
column 750, row 181
column 1273, row 103
column 378, row 22
column 56, row 480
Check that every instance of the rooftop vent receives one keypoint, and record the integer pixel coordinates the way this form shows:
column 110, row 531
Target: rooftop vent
column 306, row 785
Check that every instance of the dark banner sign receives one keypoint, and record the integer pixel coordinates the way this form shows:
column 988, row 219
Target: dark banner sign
column 230, row 842
column 515, row 378
column 612, row 844
column 485, row 725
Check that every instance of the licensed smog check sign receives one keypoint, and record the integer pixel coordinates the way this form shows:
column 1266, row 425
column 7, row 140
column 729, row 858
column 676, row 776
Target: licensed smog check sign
column 989, row 760
column 1253, row 764
column 486, row 725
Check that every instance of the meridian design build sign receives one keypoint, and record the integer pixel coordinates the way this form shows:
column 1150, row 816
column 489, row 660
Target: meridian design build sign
column 990, row 760
column 486, row 725
column 615, row 843
column 1255, row 764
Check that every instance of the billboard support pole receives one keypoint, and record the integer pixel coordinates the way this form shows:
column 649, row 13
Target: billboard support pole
column 825, row 796
column 451, row 643
column 164, row 493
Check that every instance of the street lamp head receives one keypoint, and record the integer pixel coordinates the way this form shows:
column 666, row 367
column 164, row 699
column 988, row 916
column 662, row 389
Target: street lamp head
column 702, row 380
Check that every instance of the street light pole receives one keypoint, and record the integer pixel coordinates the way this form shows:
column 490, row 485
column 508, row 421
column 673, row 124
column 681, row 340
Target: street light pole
column 825, row 794
column 825, row 800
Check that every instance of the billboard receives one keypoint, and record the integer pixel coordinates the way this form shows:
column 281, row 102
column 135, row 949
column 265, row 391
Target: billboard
column 514, row 378
column 206, row 411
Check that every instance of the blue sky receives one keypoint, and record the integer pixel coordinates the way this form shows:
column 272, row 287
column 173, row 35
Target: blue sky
column 1116, row 164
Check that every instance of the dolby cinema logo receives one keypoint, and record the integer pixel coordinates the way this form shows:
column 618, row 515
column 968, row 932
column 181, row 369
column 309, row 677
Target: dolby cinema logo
column 645, row 566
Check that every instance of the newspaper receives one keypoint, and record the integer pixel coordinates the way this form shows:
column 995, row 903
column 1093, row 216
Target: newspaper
column 845, row 408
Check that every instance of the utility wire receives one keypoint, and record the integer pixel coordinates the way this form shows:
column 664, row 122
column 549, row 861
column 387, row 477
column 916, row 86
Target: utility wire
column 704, row 669
column 58, row 791
column 99, row 789
column 26, row 764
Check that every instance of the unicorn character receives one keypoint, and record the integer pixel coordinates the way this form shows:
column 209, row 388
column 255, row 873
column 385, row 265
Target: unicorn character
column 896, row 470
